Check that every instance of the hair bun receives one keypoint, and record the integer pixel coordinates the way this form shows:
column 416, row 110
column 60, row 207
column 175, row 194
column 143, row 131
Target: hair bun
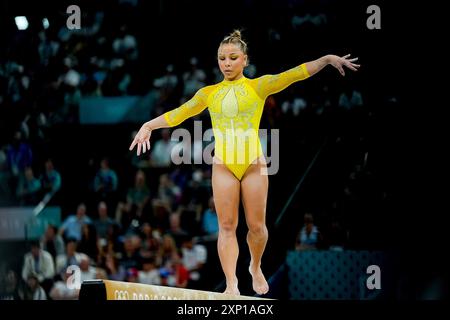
column 236, row 34
column 235, row 38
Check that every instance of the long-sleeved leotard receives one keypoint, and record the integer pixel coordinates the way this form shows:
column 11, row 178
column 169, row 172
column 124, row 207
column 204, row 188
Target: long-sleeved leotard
column 235, row 108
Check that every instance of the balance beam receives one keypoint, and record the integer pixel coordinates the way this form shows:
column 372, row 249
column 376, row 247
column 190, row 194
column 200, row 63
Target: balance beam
column 100, row 290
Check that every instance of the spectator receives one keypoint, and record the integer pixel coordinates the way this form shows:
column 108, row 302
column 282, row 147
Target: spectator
column 68, row 110
column 130, row 257
column 167, row 250
column 88, row 243
column 71, row 227
column 195, row 194
column 194, row 258
column 150, row 238
column 33, row 290
column 88, row 272
column 28, row 190
column 167, row 83
column 162, row 150
column 169, row 193
column 113, row 269
column 137, row 199
column 125, row 45
column 11, row 287
column 309, row 236
column 105, row 182
column 294, row 107
column 19, row 155
column 70, row 258
column 52, row 242
column 47, row 48
column 39, row 264
column 149, row 273
column 61, row 291
column 176, row 231
column 132, row 275
column 50, row 179
column 194, row 79
column 350, row 98
column 5, row 192
column 103, row 222
column 178, row 275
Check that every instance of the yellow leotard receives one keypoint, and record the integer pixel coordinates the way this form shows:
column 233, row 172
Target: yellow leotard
column 235, row 108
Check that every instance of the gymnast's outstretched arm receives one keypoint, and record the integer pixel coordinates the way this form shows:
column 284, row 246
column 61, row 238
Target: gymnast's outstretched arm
column 169, row 119
column 270, row 84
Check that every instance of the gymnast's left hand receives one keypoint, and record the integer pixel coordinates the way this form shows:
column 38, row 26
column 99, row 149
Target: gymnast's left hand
column 142, row 139
column 340, row 62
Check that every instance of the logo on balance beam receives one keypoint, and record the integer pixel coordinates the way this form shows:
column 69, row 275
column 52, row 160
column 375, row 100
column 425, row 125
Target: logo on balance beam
column 121, row 295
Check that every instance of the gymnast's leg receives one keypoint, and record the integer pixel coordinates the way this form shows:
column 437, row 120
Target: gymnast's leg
column 226, row 188
column 254, row 187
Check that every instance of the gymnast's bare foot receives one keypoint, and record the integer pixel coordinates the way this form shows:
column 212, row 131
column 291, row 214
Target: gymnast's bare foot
column 232, row 287
column 260, row 284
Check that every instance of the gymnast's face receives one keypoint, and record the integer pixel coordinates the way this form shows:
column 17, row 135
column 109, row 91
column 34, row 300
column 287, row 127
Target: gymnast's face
column 231, row 61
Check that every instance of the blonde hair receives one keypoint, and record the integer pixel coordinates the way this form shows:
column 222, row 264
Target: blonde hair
column 236, row 39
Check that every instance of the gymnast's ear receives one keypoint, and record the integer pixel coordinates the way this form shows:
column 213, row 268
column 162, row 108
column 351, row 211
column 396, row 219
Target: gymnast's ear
column 246, row 60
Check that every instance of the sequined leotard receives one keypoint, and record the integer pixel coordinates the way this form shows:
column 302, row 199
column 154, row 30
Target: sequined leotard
column 235, row 108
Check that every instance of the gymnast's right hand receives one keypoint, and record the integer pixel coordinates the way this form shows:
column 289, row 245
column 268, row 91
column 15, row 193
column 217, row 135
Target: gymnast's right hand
column 142, row 139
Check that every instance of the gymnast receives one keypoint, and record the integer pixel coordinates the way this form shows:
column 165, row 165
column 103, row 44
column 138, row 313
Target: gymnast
column 239, row 166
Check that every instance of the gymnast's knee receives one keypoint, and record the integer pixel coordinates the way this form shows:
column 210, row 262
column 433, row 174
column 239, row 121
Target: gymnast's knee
column 257, row 229
column 228, row 228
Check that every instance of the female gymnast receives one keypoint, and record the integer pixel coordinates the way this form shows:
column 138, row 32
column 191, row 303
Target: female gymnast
column 239, row 167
